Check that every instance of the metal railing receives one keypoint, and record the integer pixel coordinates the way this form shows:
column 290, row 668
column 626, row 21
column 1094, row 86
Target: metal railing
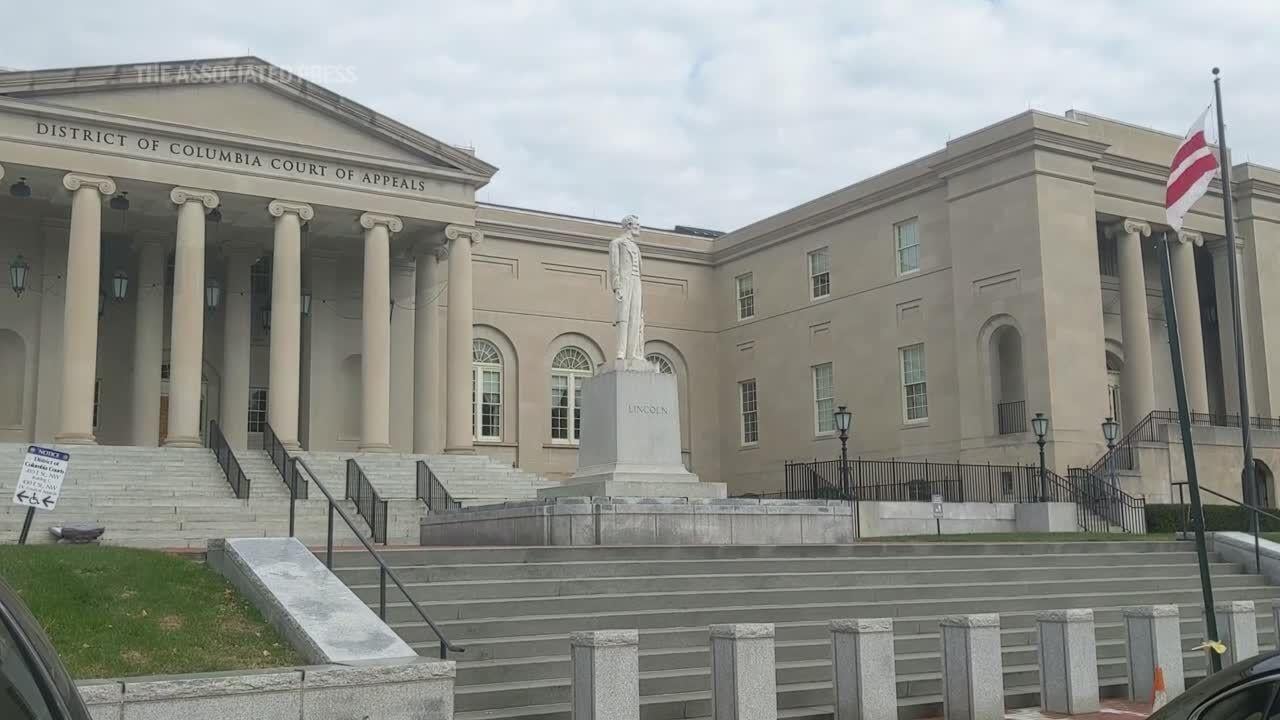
column 369, row 504
column 432, row 492
column 1148, row 430
column 1184, row 518
column 227, row 461
column 280, row 458
column 1011, row 417
column 1102, row 506
column 918, row 481
column 298, row 466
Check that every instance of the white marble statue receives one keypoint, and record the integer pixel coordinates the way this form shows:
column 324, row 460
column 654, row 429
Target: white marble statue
column 624, row 280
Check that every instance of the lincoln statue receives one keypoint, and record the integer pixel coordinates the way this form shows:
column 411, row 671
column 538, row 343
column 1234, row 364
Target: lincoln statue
column 624, row 280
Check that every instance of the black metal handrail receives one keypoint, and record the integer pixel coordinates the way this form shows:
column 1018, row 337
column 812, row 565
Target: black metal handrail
column 227, row 461
column 912, row 480
column 298, row 466
column 432, row 492
column 280, row 458
column 1011, row 417
column 1101, row 502
column 1125, row 455
column 1184, row 520
column 369, row 504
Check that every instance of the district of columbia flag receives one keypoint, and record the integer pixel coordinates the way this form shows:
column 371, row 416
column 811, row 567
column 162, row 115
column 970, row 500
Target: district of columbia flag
column 1193, row 166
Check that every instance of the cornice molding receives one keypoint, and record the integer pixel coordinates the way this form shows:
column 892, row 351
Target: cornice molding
column 277, row 208
column 369, row 221
column 184, row 195
column 75, row 181
column 522, row 233
column 1034, row 138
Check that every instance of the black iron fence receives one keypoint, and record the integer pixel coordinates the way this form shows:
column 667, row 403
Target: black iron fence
column 1011, row 417
column 368, row 503
column 227, row 461
column 1103, row 506
column 432, row 492
column 1124, row 456
column 281, row 458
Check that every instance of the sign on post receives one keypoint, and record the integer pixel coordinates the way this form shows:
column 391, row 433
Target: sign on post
column 39, row 483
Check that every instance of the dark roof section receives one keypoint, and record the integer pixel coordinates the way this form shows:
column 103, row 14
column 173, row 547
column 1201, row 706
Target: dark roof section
column 678, row 229
column 699, row 232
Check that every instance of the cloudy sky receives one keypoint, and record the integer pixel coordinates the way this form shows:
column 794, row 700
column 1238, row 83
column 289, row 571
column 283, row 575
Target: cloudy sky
column 708, row 112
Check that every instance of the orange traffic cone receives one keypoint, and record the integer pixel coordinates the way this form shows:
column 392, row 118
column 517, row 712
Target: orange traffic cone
column 1159, row 698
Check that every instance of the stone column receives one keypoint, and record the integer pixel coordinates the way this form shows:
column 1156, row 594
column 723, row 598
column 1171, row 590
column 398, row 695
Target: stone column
column 1137, row 379
column 80, row 310
column 1068, row 662
column 864, row 679
column 186, row 326
column 237, row 334
column 286, row 319
column 458, row 430
column 148, row 341
column 1153, row 634
column 743, row 683
column 375, row 356
column 1226, row 324
column 1237, row 629
column 1186, row 298
column 972, row 668
column 426, row 352
column 606, row 675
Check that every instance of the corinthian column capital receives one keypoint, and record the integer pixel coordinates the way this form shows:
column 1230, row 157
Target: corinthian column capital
column 184, row 195
column 369, row 220
column 454, row 232
column 74, row 181
column 278, row 208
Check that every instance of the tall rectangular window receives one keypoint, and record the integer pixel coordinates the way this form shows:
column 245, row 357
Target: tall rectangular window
column 915, row 396
column 750, row 412
column 906, row 235
column 257, row 409
column 819, row 273
column 824, row 404
column 746, row 296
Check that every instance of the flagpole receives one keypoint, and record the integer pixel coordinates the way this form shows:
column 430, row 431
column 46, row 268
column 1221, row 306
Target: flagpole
column 1233, row 270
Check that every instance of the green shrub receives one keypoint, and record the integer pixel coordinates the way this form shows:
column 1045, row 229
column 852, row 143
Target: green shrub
column 1171, row 518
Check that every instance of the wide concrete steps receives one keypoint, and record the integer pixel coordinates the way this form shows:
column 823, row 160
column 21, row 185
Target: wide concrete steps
column 513, row 608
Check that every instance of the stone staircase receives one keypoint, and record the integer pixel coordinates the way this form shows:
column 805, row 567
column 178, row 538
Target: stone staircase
column 513, row 609
column 470, row 479
column 161, row 497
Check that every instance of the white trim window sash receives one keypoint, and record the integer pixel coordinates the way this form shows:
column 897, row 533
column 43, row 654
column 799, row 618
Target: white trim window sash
column 915, row 396
column 256, row 421
column 569, row 369
column 750, row 412
column 819, row 273
column 486, row 391
column 907, row 240
column 745, row 284
column 824, row 399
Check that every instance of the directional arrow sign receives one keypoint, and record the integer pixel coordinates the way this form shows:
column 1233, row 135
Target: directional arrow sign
column 40, row 483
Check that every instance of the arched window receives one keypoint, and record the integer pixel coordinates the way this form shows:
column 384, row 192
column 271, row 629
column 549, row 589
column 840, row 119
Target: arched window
column 568, row 370
column 661, row 363
column 486, row 391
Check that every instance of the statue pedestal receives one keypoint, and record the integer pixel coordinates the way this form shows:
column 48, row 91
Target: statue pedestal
column 630, row 439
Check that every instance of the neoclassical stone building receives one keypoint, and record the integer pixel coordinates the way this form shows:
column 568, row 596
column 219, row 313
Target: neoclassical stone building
column 221, row 240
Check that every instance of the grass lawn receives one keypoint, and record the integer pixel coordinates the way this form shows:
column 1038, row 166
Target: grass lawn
column 1028, row 537
column 115, row 612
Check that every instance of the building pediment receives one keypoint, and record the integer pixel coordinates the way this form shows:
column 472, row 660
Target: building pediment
column 243, row 96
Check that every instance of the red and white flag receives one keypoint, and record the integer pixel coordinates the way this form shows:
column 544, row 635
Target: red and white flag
column 1193, row 166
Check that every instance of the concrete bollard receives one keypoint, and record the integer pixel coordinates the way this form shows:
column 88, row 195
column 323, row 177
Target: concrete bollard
column 606, row 675
column 1153, row 635
column 1237, row 629
column 743, row 683
column 972, row 668
column 863, row 676
column 1068, row 662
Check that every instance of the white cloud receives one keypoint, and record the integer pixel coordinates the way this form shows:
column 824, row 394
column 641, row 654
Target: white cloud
column 712, row 112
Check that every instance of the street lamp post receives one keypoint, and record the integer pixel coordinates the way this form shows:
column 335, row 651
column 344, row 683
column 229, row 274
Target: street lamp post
column 844, row 419
column 1040, row 426
column 1110, row 431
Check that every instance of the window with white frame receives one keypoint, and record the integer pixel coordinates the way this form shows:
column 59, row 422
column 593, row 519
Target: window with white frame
column 486, row 391
column 915, row 396
column 906, row 235
column 661, row 363
column 746, row 296
column 750, row 412
column 257, row 409
column 824, row 404
column 819, row 273
column 569, row 368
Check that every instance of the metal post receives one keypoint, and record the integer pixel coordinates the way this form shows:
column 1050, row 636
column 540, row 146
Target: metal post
column 26, row 526
column 1233, row 271
column 382, row 593
column 328, row 553
column 1044, row 481
column 1188, row 449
